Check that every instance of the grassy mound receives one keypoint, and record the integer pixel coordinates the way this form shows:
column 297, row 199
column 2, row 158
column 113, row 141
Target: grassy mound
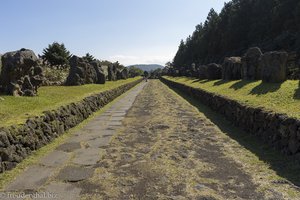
column 15, row 110
column 278, row 97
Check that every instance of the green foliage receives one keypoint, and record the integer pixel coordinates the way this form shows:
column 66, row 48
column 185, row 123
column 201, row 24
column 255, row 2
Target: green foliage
column 106, row 62
column 16, row 110
column 55, row 75
column 146, row 74
column 57, row 55
column 154, row 74
column 278, row 97
column 88, row 57
column 134, row 71
column 268, row 24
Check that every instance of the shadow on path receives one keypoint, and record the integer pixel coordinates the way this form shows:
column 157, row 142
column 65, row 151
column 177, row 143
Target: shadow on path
column 285, row 166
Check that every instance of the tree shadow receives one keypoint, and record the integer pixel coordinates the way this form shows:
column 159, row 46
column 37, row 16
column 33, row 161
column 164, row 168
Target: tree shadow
column 287, row 167
column 240, row 84
column 204, row 81
column 264, row 88
column 297, row 92
column 196, row 80
column 220, row 82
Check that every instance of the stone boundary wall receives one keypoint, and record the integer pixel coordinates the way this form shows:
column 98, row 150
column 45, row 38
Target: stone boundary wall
column 17, row 142
column 275, row 129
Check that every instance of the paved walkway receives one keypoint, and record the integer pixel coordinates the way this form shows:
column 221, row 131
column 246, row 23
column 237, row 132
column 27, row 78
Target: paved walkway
column 74, row 160
column 152, row 144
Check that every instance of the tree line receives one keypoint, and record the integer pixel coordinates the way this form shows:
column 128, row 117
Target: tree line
column 241, row 24
column 57, row 56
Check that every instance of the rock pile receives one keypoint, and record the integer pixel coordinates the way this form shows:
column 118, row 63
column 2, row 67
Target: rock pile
column 82, row 72
column 254, row 65
column 202, row 72
column 122, row 73
column 273, row 65
column 112, row 72
column 101, row 78
column 250, row 64
column 213, row 71
column 20, row 74
column 232, row 68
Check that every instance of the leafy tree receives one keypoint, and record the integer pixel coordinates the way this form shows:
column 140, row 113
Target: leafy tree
column 134, row 71
column 57, row 55
column 155, row 74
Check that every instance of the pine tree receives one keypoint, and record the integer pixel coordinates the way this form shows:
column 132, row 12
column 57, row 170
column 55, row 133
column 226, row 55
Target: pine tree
column 57, row 55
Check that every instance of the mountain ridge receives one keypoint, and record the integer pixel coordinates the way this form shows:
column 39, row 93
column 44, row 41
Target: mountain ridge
column 147, row 67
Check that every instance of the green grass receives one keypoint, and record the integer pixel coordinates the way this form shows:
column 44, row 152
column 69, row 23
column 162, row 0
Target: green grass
column 278, row 97
column 15, row 110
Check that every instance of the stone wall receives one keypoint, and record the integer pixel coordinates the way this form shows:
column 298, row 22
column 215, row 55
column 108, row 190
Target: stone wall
column 277, row 130
column 17, row 142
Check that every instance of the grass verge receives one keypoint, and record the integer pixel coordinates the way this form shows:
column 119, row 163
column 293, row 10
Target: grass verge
column 8, row 176
column 15, row 110
column 279, row 97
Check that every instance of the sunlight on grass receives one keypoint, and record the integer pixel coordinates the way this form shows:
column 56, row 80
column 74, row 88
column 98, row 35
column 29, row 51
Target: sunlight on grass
column 281, row 98
column 15, row 110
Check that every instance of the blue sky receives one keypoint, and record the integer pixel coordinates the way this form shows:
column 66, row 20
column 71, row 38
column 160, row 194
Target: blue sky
column 130, row 31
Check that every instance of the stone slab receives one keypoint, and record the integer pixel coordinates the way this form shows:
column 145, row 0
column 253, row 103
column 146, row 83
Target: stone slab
column 86, row 157
column 55, row 159
column 99, row 142
column 75, row 174
column 69, row 147
column 31, row 179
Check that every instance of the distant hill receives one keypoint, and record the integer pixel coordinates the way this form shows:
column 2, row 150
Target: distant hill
column 148, row 67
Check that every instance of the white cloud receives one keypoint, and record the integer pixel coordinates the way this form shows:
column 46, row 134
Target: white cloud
column 131, row 60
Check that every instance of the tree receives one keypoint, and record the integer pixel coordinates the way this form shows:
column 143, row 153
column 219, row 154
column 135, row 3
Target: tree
column 134, row 71
column 155, row 74
column 146, row 74
column 268, row 24
column 57, row 55
column 88, row 57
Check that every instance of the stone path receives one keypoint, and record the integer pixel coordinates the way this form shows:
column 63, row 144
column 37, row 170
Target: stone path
column 74, row 160
column 149, row 145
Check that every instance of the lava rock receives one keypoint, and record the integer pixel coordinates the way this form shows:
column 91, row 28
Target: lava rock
column 214, row 71
column 112, row 72
column 250, row 64
column 273, row 65
column 84, row 72
column 232, row 68
column 101, row 77
column 20, row 74
column 122, row 74
column 202, row 72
